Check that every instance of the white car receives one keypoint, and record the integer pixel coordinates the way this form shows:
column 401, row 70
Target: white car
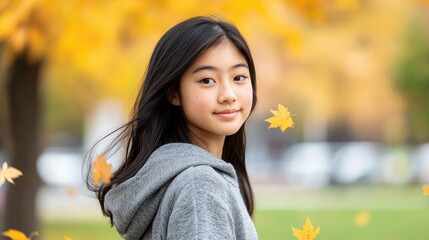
column 308, row 164
column 421, row 164
column 61, row 166
column 357, row 162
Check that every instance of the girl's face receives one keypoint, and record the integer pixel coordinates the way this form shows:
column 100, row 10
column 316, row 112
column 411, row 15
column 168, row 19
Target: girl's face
column 216, row 92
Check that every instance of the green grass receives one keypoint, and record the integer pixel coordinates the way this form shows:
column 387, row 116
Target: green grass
column 78, row 230
column 276, row 224
column 339, row 224
column 396, row 213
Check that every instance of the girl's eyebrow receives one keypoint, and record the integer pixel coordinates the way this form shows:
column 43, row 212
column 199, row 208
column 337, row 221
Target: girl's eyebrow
column 212, row 68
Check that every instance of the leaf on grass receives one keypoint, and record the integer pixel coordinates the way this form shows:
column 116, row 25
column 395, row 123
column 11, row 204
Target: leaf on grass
column 8, row 173
column 282, row 119
column 307, row 232
column 17, row 235
column 425, row 189
column 102, row 170
column 67, row 238
column 362, row 219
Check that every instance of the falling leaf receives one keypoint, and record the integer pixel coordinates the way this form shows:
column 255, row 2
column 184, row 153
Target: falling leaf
column 102, row 170
column 281, row 119
column 71, row 191
column 17, row 235
column 67, row 238
column 425, row 189
column 307, row 232
column 8, row 173
column 362, row 219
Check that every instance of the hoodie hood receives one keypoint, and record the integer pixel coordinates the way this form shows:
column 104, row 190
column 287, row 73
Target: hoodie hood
column 134, row 203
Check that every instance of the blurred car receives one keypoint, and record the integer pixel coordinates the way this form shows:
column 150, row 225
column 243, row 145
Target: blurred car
column 421, row 164
column 396, row 165
column 61, row 166
column 308, row 164
column 356, row 162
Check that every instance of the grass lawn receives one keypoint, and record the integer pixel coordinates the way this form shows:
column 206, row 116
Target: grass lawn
column 276, row 224
column 394, row 214
column 78, row 230
column 340, row 224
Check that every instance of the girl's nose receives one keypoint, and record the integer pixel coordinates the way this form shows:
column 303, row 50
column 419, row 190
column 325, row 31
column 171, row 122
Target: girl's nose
column 227, row 94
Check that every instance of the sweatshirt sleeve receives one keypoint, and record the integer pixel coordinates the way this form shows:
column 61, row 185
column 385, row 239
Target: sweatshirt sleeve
column 201, row 209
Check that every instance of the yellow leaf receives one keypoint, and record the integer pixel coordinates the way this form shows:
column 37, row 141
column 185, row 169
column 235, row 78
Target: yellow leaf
column 102, row 170
column 67, row 238
column 17, row 235
column 281, row 119
column 425, row 189
column 362, row 219
column 307, row 232
column 8, row 173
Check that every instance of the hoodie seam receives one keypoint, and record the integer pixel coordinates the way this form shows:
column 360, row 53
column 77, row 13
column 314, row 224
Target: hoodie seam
column 198, row 198
column 195, row 200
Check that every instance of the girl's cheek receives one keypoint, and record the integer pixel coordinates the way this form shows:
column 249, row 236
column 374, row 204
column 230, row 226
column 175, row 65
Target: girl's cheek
column 201, row 101
column 248, row 96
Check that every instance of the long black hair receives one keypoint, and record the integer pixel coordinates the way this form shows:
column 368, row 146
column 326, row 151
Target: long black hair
column 155, row 121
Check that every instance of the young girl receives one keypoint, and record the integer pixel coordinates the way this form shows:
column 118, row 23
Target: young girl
column 184, row 174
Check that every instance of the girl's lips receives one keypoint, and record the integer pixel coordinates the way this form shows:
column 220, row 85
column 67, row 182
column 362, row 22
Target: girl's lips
column 228, row 114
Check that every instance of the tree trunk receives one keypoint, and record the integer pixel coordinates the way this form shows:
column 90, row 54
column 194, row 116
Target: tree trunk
column 21, row 127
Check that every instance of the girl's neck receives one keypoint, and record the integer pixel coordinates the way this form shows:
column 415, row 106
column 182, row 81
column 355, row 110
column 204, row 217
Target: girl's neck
column 212, row 145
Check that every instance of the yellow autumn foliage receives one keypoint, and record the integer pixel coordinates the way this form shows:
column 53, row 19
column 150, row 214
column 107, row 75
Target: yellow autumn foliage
column 108, row 42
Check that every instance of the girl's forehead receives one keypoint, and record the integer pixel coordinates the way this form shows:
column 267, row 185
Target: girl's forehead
column 223, row 52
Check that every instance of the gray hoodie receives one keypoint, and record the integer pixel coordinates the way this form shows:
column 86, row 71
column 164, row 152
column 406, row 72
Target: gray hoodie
column 182, row 192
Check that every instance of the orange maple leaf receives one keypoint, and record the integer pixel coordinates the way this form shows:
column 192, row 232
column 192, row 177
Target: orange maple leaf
column 425, row 189
column 8, row 173
column 282, row 119
column 102, row 170
column 17, row 235
column 67, row 238
column 307, row 232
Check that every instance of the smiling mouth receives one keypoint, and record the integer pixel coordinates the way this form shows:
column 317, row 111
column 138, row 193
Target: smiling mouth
column 228, row 114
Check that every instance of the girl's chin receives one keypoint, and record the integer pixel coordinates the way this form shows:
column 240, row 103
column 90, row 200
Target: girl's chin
column 231, row 132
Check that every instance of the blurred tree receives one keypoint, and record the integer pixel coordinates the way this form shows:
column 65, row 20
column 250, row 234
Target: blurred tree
column 20, row 70
column 83, row 50
column 412, row 77
column 66, row 44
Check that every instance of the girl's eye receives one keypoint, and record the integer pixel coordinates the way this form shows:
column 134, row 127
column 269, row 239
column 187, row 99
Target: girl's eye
column 207, row 81
column 240, row 78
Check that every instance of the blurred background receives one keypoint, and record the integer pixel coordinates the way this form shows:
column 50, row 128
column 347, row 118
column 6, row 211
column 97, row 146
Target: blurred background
column 355, row 74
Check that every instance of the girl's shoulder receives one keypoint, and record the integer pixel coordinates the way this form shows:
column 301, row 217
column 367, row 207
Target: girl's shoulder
column 202, row 183
column 200, row 178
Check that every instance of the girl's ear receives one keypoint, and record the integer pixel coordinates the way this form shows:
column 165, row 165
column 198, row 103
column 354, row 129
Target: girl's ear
column 173, row 98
